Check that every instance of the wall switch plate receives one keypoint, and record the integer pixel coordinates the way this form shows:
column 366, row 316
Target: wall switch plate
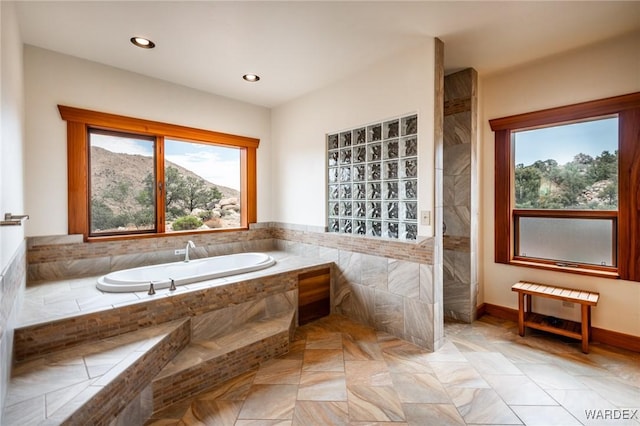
column 179, row 251
column 425, row 217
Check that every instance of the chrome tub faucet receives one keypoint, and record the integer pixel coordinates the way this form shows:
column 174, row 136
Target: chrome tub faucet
column 190, row 244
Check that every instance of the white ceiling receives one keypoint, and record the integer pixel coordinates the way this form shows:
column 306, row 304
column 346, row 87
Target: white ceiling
column 299, row 46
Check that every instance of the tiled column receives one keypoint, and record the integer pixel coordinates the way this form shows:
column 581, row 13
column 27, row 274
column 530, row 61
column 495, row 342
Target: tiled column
column 459, row 195
column 436, row 274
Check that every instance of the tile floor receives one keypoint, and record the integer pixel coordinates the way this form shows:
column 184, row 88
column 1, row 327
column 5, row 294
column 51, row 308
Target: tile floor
column 342, row 373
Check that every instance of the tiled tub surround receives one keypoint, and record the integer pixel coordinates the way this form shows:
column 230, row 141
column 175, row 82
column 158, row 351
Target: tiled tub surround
column 234, row 323
column 12, row 283
column 385, row 283
column 60, row 257
column 60, row 314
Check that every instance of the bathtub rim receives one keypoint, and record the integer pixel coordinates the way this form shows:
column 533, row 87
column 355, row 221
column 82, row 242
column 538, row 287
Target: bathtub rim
column 114, row 286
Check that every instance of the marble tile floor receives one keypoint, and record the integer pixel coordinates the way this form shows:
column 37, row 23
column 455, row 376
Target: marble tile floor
column 341, row 373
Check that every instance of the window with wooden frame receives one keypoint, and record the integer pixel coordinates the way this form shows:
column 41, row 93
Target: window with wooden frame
column 567, row 188
column 129, row 177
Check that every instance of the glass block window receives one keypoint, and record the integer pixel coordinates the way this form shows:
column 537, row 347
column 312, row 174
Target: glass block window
column 372, row 179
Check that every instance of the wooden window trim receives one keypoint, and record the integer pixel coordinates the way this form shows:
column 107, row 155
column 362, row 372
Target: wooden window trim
column 566, row 114
column 80, row 120
column 627, row 107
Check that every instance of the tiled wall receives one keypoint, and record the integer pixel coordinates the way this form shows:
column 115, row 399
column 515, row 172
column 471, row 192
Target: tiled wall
column 12, row 282
column 459, row 212
column 57, row 257
column 388, row 284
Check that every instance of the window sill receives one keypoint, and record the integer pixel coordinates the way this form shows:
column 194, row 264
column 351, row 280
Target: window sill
column 571, row 270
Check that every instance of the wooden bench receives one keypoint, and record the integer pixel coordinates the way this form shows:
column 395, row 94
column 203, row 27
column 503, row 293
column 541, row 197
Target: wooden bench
column 527, row 318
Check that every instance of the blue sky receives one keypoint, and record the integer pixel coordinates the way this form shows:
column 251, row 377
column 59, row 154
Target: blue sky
column 562, row 143
column 219, row 165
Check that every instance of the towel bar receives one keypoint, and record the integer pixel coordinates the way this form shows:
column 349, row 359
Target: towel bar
column 13, row 220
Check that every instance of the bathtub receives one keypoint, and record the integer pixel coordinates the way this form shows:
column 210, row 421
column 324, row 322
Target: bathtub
column 138, row 279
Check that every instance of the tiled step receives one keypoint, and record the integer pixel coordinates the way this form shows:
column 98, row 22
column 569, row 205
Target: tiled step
column 206, row 363
column 36, row 339
column 93, row 382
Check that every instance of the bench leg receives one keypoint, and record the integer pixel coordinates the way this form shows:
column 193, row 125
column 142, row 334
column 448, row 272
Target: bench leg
column 586, row 325
column 521, row 313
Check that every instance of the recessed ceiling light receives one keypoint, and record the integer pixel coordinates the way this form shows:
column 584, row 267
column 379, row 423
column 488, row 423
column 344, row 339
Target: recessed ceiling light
column 251, row 77
column 142, row 42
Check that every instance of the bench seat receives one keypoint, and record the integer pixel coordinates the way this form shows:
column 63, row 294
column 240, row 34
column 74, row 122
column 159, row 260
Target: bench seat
column 527, row 318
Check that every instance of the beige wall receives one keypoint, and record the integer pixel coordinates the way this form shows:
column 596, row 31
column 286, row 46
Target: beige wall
column 12, row 136
column 52, row 78
column 398, row 85
column 12, row 241
column 606, row 69
column 291, row 170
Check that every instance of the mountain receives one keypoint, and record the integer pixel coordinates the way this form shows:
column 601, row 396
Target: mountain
column 105, row 165
column 130, row 171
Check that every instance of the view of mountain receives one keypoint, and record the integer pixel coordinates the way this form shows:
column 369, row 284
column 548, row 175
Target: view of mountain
column 135, row 168
column 122, row 196
column 584, row 183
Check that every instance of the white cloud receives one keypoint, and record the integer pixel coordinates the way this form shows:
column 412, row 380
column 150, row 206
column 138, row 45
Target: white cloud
column 220, row 166
column 210, row 166
column 122, row 145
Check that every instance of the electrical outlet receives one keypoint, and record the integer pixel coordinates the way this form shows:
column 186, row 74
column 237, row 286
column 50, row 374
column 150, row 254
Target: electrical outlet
column 179, row 251
column 568, row 305
column 425, row 217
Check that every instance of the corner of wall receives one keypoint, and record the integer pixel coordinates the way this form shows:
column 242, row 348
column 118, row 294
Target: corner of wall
column 12, row 241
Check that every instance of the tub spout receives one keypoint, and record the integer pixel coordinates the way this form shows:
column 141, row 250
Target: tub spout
column 190, row 244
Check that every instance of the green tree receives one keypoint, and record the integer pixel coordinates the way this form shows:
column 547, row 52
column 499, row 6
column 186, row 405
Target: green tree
column 175, row 193
column 147, row 195
column 111, row 208
column 145, row 215
column 527, row 183
column 547, row 167
column 583, row 159
column 101, row 215
column 197, row 195
column 186, row 222
column 609, row 194
column 183, row 193
column 605, row 167
column 572, row 183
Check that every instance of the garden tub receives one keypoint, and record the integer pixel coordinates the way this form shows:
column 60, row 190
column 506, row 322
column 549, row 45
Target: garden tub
column 138, row 279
